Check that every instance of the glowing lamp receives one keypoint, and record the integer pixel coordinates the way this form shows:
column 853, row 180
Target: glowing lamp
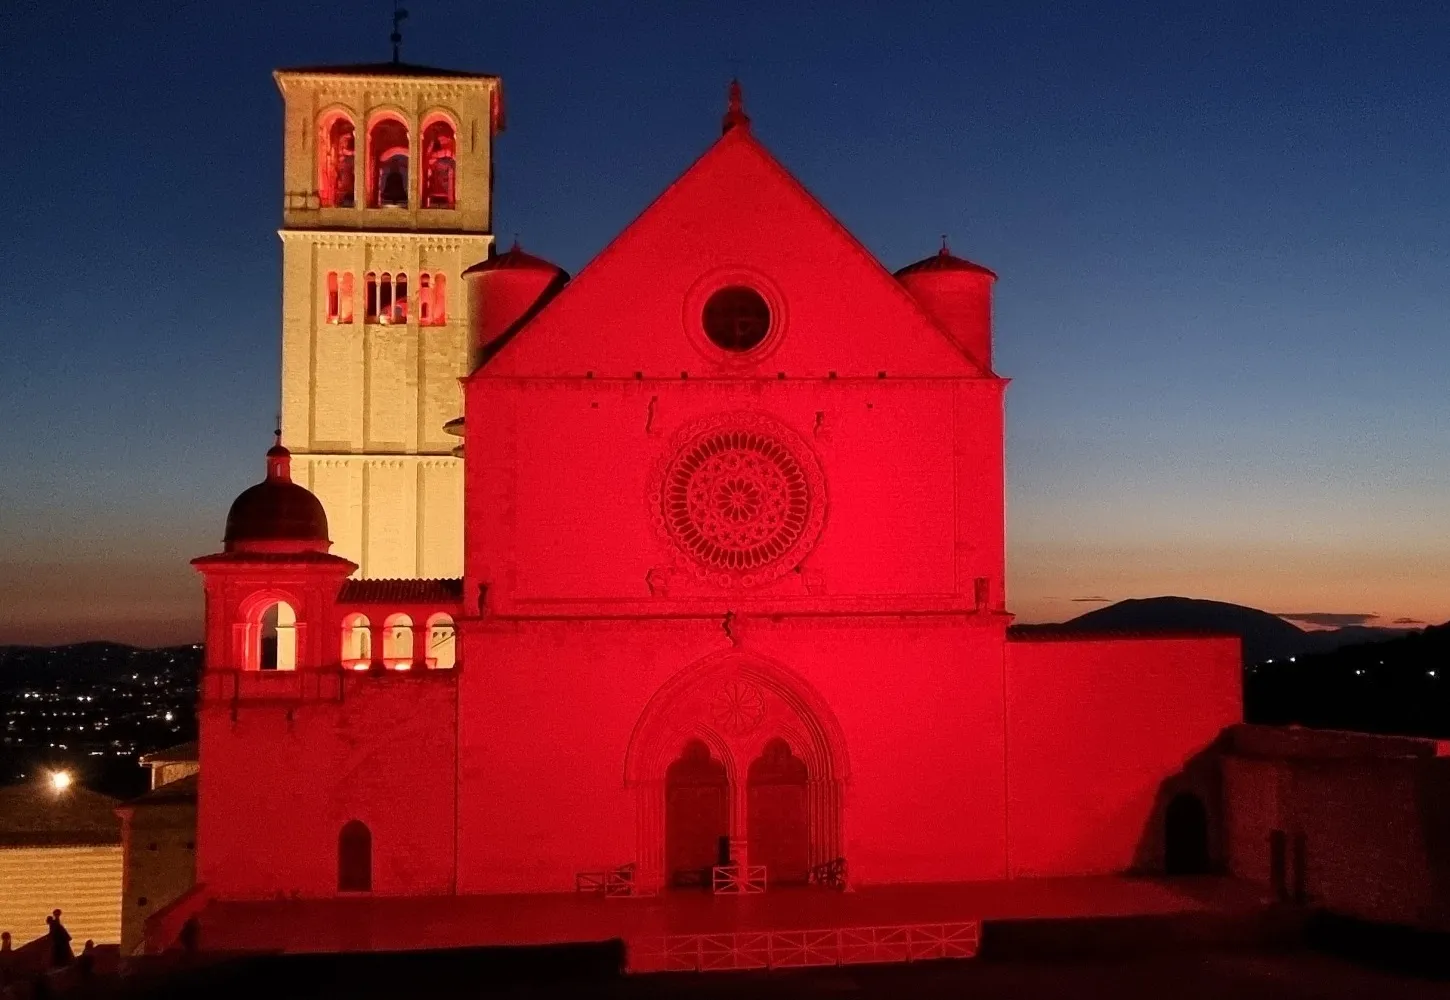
column 60, row 780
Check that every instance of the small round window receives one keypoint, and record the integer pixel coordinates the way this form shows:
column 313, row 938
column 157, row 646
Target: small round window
column 736, row 318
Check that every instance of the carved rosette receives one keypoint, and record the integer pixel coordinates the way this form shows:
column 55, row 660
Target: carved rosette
column 741, row 496
column 738, row 707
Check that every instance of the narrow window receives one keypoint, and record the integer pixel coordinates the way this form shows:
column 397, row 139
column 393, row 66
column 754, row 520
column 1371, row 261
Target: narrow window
column 385, row 298
column 370, row 293
column 400, row 299
column 345, row 311
column 425, row 307
column 440, row 304
column 332, row 297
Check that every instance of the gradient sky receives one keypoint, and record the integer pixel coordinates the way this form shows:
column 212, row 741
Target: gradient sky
column 1222, row 230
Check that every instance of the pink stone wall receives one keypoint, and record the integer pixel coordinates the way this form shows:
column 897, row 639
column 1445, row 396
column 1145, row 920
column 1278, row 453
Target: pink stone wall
column 278, row 781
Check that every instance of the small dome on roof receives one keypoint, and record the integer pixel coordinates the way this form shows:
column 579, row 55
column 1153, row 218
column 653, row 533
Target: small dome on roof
column 277, row 510
column 514, row 259
column 943, row 260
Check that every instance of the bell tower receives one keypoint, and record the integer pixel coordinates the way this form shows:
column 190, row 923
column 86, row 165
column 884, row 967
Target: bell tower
column 388, row 182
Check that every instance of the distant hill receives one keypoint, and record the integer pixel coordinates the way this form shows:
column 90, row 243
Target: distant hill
column 1265, row 636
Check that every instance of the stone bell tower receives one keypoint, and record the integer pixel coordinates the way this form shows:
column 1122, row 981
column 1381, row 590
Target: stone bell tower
column 388, row 182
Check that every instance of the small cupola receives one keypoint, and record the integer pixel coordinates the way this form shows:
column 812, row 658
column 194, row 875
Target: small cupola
column 277, row 515
column 957, row 294
column 504, row 292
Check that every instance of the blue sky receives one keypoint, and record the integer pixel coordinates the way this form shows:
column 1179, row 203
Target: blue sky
column 1221, row 231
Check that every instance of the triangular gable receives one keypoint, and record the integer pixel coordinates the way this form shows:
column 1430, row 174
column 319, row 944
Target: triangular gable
column 735, row 215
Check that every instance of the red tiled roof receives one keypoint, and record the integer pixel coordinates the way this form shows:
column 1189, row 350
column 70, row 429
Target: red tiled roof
column 401, row 592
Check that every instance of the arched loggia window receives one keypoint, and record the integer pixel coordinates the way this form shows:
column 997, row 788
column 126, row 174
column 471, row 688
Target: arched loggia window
column 388, row 163
column 398, row 642
column 336, row 161
column 274, row 639
column 357, row 642
column 441, row 649
column 440, row 165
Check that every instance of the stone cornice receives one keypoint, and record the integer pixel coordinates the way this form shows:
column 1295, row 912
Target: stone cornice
column 396, row 237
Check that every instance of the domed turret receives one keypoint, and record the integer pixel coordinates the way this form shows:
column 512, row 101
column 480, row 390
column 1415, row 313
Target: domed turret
column 958, row 295
column 277, row 515
column 504, row 291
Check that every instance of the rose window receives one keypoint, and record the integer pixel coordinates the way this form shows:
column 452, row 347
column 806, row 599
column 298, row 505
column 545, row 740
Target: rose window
column 741, row 501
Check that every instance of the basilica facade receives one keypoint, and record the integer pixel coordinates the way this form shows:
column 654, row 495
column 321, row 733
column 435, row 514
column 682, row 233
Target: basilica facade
column 707, row 576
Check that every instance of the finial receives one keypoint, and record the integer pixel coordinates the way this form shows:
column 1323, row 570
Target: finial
column 515, row 248
column 945, row 251
column 279, row 459
column 399, row 16
column 735, row 110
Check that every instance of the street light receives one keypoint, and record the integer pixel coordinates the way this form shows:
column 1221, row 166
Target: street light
column 60, row 780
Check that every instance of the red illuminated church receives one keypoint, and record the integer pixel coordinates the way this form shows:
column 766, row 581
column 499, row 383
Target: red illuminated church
column 732, row 604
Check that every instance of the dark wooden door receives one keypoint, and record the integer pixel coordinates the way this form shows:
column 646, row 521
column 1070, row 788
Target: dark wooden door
column 779, row 819
column 697, row 815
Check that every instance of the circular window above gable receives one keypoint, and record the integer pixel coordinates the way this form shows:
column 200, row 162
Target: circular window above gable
column 736, row 318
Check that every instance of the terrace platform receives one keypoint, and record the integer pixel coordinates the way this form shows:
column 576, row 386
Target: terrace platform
column 695, row 931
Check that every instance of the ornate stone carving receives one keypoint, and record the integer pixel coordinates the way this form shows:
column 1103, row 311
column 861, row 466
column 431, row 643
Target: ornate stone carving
column 742, row 496
column 738, row 707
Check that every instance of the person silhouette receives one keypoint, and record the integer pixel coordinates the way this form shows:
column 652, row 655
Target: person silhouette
column 86, row 964
column 60, row 950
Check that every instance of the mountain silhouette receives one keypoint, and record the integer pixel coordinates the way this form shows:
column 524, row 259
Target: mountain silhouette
column 1265, row 636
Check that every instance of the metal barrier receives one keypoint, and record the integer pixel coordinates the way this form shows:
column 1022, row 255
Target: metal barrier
column 737, row 880
column 831, row 875
column 614, row 883
column 798, row 949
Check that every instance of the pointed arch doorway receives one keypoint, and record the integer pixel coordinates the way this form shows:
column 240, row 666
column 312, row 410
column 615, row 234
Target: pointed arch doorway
column 697, row 815
column 778, row 814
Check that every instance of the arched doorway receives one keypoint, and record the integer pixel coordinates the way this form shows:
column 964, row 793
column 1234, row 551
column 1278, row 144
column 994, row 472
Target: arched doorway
column 355, row 858
column 778, row 806
column 697, row 815
column 1185, row 836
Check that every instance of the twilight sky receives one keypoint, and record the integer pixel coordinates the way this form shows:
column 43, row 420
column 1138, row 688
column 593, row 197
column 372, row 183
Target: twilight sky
column 1222, row 230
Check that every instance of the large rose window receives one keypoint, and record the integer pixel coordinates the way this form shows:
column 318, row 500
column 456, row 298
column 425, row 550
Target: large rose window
column 742, row 496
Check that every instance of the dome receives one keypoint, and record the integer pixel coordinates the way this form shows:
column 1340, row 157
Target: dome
column 277, row 514
column 514, row 259
column 941, row 261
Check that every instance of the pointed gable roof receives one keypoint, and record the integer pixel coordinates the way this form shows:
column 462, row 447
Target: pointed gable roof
column 736, row 216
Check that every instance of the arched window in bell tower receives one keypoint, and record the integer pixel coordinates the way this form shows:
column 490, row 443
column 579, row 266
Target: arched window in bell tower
column 336, row 161
column 388, row 163
column 440, row 164
column 275, row 644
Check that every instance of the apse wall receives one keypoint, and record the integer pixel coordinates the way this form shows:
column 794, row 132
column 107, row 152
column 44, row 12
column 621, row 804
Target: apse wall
column 1101, row 734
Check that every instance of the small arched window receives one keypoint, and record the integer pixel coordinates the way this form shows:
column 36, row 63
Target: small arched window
column 336, row 161
column 385, row 298
column 370, row 297
column 273, row 644
column 345, row 296
column 388, row 164
column 398, row 642
column 441, row 642
column 357, row 642
column 440, row 165
column 355, row 857
column 334, row 296
column 400, row 298
column 425, row 301
column 439, row 302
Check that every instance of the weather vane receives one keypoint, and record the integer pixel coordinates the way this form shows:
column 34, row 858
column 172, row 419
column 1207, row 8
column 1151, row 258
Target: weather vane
column 399, row 16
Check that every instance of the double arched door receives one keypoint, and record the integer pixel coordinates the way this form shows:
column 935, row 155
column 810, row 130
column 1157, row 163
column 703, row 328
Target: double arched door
column 776, row 820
